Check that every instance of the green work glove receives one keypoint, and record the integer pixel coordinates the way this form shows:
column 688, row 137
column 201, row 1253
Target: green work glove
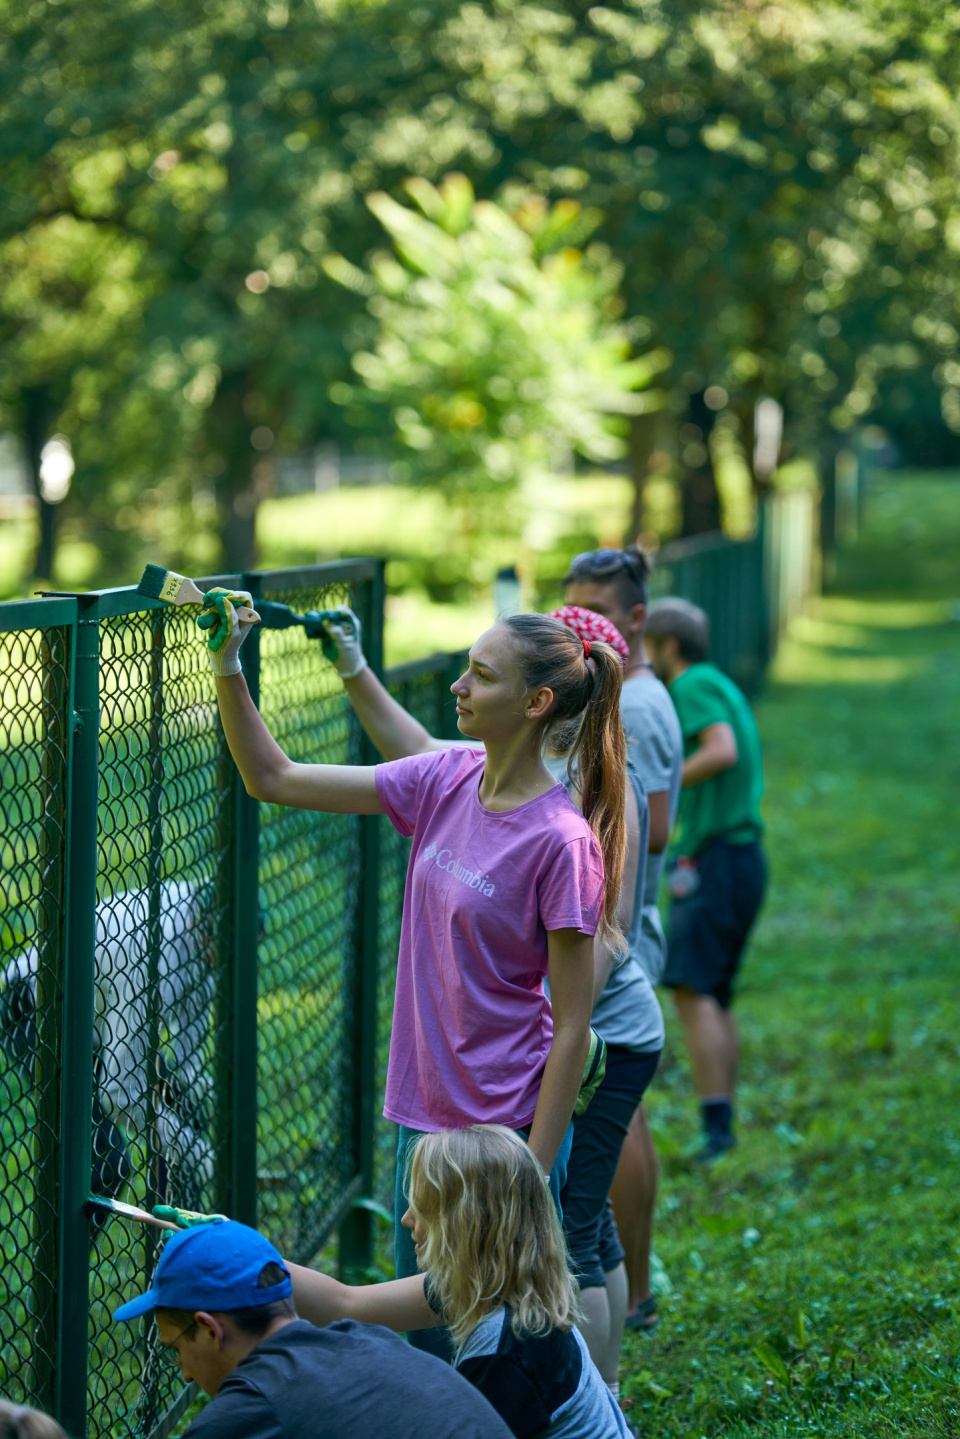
column 593, row 1072
column 226, row 631
column 183, row 1218
column 340, row 641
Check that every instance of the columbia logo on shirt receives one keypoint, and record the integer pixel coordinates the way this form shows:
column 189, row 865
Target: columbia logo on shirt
column 472, row 878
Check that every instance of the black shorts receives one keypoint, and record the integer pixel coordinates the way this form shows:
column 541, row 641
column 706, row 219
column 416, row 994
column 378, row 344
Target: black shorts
column 708, row 929
column 598, row 1135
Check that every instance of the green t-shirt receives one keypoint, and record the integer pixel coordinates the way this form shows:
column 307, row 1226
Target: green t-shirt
column 727, row 806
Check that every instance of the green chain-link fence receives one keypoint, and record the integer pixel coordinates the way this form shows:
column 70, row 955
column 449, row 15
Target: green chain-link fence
column 36, row 666
column 189, row 980
column 196, row 989
column 750, row 589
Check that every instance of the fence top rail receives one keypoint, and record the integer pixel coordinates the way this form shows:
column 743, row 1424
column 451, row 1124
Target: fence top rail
column 312, row 576
column 125, row 600
column 434, row 664
column 43, row 613
column 53, row 608
column 696, row 545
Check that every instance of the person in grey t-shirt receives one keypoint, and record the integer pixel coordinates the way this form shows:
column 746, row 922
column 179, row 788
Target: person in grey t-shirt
column 655, row 748
column 613, row 583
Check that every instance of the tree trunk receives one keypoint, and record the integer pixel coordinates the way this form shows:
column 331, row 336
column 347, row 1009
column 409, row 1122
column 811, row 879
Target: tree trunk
column 36, row 404
column 700, row 501
column 230, row 459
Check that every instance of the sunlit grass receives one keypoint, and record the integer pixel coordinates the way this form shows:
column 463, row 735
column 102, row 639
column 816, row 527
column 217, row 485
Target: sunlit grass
column 817, row 1269
column 415, row 626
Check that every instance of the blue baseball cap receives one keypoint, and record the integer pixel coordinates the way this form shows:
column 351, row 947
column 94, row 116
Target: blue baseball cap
column 213, row 1266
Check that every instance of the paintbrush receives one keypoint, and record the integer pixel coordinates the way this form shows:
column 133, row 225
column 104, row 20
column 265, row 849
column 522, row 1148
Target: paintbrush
column 166, row 585
column 156, row 583
column 127, row 1211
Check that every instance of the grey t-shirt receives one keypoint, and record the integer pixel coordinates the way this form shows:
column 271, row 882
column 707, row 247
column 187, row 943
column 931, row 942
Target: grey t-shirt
column 628, row 1012
column 655, row 747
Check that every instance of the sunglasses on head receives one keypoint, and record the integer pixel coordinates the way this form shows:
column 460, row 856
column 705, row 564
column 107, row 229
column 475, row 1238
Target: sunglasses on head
column 597, row 563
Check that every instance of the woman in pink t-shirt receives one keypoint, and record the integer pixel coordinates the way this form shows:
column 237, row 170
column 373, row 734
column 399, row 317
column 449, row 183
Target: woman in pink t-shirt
column 506, row 877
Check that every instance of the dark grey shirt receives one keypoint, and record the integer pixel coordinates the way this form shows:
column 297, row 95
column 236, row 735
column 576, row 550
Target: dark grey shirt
column 342, row 1382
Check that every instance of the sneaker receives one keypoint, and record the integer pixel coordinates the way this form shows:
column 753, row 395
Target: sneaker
column 715, row 1145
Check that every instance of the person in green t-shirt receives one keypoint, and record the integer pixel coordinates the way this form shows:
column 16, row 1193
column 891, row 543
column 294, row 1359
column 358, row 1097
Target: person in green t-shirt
column 717, row 870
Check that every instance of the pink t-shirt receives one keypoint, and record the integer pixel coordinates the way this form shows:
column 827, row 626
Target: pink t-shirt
column 471, row 1024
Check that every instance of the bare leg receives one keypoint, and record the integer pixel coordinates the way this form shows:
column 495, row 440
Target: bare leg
column 634, row 1194
column 617, row 1290
column 713, row 1043
column 595, row 1325
column 733, row 1046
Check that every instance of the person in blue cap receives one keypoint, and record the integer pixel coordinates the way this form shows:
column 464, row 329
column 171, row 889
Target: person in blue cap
column 222, row 1301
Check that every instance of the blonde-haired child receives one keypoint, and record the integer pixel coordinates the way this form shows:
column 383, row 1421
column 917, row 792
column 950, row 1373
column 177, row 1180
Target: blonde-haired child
column 495, row 1271
column 18, row 1421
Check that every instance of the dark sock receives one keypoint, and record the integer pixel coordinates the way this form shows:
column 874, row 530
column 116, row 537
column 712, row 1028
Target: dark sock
column 717, row 1118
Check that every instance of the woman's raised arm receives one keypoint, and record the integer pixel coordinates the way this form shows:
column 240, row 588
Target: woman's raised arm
column 268, row 774
column 392, row 729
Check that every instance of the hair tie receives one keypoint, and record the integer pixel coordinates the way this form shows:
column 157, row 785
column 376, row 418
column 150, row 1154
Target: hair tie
column 586, row 649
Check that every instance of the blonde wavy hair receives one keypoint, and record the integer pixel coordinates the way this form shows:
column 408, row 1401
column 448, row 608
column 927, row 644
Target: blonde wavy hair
column 492, row 1232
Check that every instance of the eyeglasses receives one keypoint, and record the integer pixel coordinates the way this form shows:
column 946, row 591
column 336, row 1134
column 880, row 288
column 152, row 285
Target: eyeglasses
column 597, row 563
column 168, row 1352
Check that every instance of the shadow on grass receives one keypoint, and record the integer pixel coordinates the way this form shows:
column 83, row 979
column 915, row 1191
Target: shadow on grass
column 816, row 1270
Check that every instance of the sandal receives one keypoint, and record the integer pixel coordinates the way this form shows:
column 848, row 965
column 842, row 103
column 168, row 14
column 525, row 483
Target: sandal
column 644, row 1318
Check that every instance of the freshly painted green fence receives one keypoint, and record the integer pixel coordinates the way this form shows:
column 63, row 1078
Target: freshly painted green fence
column 751, row 589
column 196, row 989
column 189, row 980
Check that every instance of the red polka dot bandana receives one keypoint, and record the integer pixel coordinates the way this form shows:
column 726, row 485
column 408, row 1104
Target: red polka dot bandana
column 589, row 626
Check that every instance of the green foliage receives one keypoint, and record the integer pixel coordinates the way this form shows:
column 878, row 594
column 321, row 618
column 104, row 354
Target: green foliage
column 498, row 345
column 778, row 184
column 779, row 181
column 421, row 532
column 816, row 1269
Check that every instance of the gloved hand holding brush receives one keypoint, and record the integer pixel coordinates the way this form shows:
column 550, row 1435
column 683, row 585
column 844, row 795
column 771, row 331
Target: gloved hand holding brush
column 340, row 641
column 226, row 627
column 183, row 1218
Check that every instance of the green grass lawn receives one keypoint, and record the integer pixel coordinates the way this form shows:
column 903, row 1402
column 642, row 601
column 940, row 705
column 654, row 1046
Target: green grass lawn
column 816, row 1270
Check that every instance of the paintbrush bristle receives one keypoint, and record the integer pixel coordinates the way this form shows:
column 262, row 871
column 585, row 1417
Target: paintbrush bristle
column 128, row 1211
column 157, row 583
column 152, row 581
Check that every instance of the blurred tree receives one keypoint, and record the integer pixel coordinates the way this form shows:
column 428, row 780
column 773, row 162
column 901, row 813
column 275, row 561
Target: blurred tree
column 500, row 346
column 778, row 182
column 222, row 144
column 68, row 297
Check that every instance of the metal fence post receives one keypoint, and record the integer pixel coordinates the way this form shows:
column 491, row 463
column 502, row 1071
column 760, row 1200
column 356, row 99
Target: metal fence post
column 48, row 1008
column 235, row 1060
column 767, row 582
column 152, row 1078
column 244, row 978
column 76, row 1098
column 356, row 1234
